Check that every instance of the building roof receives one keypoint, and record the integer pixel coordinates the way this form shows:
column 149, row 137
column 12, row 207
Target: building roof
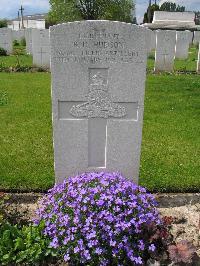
column 31, row 17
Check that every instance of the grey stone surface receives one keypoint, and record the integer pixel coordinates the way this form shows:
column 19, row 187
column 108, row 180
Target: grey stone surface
column 196, row 37
column 41, row 47
column 6, row 39
column 153, row 40
column 18, row 35
column 173, row 21
column 174, row 18
column 98, row 81
column 28, row 37
column 150, row 40
column 186, row 223
column 165, row 50
column 183, row 40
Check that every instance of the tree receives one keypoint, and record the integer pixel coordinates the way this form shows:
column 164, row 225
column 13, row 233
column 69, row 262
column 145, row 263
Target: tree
column 70, row 10
column 197, row 17
column 3, row 23
column 153, row 8
column 171, row 7
column 166, row 6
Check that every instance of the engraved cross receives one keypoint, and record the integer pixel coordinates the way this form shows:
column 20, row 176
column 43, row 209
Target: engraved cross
column 98, row 110
column 41, row 52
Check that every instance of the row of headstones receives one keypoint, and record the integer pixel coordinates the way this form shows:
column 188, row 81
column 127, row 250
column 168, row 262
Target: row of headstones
column 170, row 45
column 167, row 44
column 37, row 43
column 98, row 73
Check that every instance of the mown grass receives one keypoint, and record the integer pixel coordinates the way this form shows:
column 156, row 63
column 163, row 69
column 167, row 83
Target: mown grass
column 18, row 57
column 170, row 158
column 26, row 154
column 171, row 135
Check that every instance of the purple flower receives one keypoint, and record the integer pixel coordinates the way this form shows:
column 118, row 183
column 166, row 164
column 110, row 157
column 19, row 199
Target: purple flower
column 66, row 257
column 152, row 247
column 98, row 251
column 113, row 243
column 98, row 217
column 76, row 249
column 141, row 245
column 54, row 243
column 137, row 260
column 100, row 202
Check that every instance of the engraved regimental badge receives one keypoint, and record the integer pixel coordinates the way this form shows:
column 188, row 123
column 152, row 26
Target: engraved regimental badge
column 99, row 104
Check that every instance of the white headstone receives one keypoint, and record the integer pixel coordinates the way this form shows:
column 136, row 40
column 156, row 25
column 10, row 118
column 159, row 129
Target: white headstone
column 166, row 18
column 28, row 37
column 6, row 39
column 183, row 40
column 18, row 35
column 98, row 81
column 150, row 40
column 41, row 47
column 196, row 37
column 153, row 40
column 198, row 62
column 165, row 50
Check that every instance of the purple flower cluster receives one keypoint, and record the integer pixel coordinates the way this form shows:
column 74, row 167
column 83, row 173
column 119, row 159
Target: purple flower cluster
column 99, row 219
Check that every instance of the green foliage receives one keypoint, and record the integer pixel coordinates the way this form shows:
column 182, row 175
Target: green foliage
column 49, row 21
column 171, row 7
column 15, row 43
column 10, row 61
column 3, row 52
column 153, row 8
column 63, row 11
column 23, row 42
column 21, row 244
column 24, row 245
column 3, row 23
column 197, row 18
column 166, row 6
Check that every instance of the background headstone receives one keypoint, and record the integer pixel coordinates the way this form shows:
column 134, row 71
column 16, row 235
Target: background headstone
column 196, row 37
column 98, row 80
column 41, row 47
column 198, row 62
column 28, row 37
column 153, row 40
column 165, row 50
column 181, row 19
column 150, row 40
column 183, row 40
column 6, row 39
column 18, row 35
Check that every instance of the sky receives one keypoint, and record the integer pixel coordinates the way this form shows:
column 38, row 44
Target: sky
column 9, row 8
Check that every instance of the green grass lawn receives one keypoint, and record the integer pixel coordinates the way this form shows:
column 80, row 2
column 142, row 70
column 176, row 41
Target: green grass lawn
column 24, row 60
column 26, row 154
column 171, row 135
column 19, row 56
